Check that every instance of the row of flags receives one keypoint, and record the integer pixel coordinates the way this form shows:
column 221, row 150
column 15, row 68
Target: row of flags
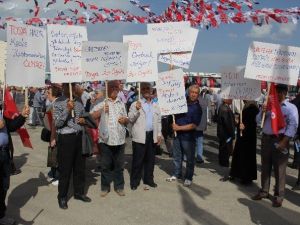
column 201, row 13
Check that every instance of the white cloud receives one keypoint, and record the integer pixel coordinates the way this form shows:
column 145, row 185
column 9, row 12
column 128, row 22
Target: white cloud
column 260, row 31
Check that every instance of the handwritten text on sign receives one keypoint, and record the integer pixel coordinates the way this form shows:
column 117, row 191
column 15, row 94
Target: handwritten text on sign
column 26, row 55
column 273, row 63
column 171, row 92
column 2, row 60
column 104, row 61
column 171, row 37
column 235, row 86
column 65, row 44
column 142, row 59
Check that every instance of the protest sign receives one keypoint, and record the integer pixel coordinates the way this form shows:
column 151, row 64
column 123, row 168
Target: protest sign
column 273, row 63
column 235, row 86
column 26, row 55
column 171, row 92
column 142, row 59
column 104, row 61
column 183, row 59
column 65, row 45
column 2, row 60
column 172, row 37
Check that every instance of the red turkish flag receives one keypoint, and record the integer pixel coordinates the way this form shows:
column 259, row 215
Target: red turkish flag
column 277, row 118
column 11, row 111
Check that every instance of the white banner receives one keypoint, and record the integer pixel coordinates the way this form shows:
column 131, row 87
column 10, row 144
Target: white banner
column 171, row 92
column 273, row 63
column 104, row 61
column 3, row 47
column 65, row 45
column 182, row 60
column 172, row 37
column 235, row 86
column 142, row 59
column 26, row 55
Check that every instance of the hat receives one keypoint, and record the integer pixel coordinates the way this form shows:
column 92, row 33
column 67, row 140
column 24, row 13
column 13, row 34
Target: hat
column 282, row 88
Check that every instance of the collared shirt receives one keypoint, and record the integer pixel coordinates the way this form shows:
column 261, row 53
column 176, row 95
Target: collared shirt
column 3, row 134
column 148, row 109
column 193, row 116
column 290, row 114
column 63, row 120
column 111, row 132
column 123, row 96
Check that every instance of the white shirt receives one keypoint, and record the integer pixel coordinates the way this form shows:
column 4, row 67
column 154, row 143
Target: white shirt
column 111, row 132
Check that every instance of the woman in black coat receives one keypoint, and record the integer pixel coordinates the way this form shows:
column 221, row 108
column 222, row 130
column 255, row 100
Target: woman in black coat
column 243, row 165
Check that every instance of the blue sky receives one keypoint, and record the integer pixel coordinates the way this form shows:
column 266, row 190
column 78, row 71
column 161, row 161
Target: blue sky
column 216, row 47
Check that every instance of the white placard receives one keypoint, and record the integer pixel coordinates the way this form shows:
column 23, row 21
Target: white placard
column 65, row 45
column 171, row 92
column 273, row 63
column 3, row 46
column 142, row 59
column 26, row 55
column 104, row 61
column 235, row 86
column 182, row 60
column 172, row 37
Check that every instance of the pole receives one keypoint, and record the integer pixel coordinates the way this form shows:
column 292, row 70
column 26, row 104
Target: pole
column 139, row 91
column 264, row 114
column 71, row 96
column 241, row 117
column 26, row 96
column 171, row 68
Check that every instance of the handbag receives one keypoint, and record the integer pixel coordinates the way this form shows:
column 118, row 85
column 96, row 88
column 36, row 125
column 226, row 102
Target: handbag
column 46, row 135
column 52, row 157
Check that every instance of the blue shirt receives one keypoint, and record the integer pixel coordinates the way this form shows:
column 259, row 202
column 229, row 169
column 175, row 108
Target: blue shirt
column 193, row 116
column 148, row 109
column 3, row 135
column 290, row 114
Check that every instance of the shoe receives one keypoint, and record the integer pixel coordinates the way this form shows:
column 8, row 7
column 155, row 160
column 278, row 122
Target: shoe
column 104, row 193
column 277, row 203
column 133, row 188
column 7, row 221
column 120, row 192
column 171, row 179
column 200, row 161
column 226, row 178
column 187, row 183
column 15, row 172
column 297, row 186
column 260, row 196
column 152, row 184
column 62, row 202
column 54, row 182
column 83, row 198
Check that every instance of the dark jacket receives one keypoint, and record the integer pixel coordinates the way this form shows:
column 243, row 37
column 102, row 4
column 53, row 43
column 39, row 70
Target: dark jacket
column 226, row 128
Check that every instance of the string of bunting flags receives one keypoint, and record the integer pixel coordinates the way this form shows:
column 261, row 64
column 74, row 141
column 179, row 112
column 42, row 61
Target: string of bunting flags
column 200, row 13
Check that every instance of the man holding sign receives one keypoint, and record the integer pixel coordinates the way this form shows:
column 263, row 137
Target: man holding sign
column 145, row 116
column 184, row 143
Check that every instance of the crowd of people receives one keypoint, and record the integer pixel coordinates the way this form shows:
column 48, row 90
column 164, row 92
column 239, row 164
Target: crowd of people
column 89, row 121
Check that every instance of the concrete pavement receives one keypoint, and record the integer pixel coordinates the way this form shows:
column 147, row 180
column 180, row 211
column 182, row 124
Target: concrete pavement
column 32, row 199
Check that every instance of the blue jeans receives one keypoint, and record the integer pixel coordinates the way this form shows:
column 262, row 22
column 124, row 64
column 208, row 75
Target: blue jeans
column 199, row 148
column 180, row 148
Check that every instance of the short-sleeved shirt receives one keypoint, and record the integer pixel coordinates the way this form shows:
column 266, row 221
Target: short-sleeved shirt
column 193, row 116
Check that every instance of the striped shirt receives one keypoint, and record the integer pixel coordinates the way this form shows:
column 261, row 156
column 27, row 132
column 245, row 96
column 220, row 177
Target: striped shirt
column 63, row 120
column 111, row 132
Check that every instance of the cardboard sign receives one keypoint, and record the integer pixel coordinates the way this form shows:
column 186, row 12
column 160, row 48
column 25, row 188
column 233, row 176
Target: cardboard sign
column 235, row 86
column 171, row 92
column 273, row 63
column 26, row 55
column 104, row 61
column 182, row 60
column 142, row 59
column 172, row 37
column 3, row 47
column 65, row 45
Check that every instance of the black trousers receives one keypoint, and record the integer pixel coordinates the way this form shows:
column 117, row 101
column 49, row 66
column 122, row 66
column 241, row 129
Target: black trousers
column 225, row 150
column 70, row 159
column 143, row 157
column 4, row 179
column 112, row 166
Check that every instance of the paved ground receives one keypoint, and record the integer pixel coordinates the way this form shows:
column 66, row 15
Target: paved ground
column 32, row 200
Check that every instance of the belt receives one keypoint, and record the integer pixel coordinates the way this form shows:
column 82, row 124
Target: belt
column 273, row 135
column 73, row 134
column 149, row 132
